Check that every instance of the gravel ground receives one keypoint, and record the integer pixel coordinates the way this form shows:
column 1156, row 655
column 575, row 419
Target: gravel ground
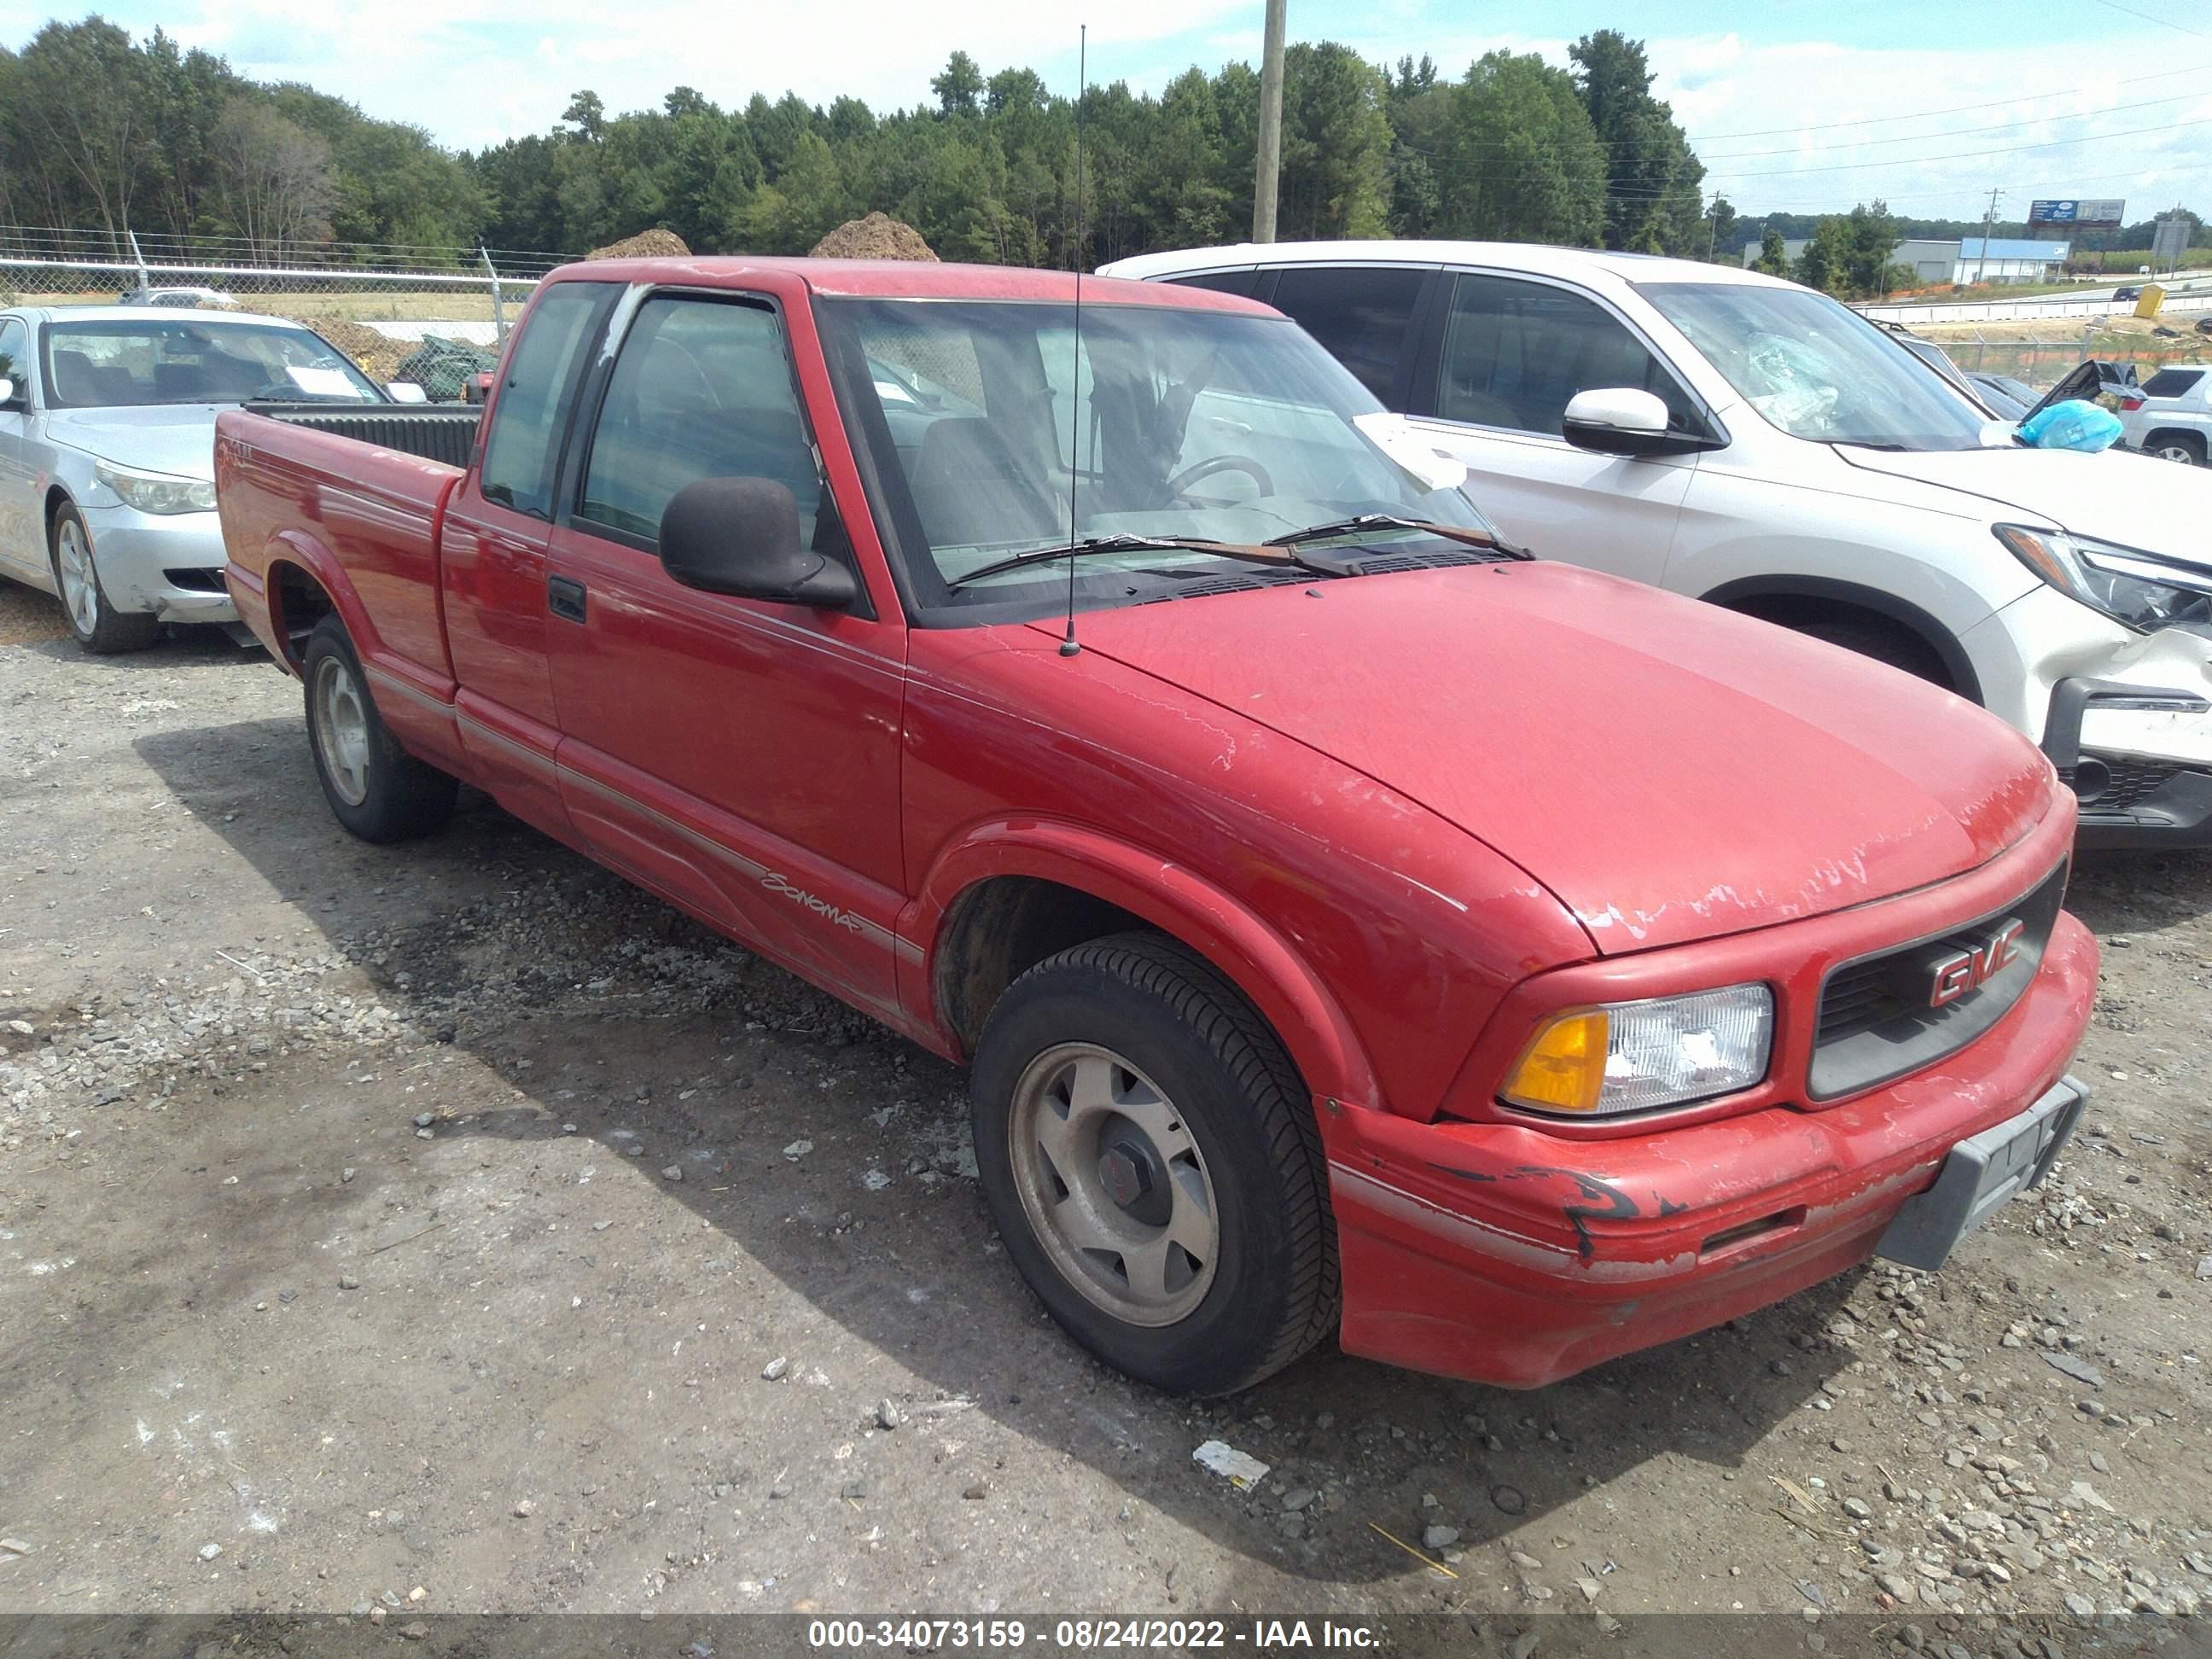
column 455, row 1228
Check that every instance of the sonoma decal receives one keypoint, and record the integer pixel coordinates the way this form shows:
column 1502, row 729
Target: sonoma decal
column 814, row 902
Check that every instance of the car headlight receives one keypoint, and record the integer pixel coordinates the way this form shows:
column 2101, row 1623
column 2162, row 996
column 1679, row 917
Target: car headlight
column 1635, row 1056
column 2144, row 592
column 156, row 492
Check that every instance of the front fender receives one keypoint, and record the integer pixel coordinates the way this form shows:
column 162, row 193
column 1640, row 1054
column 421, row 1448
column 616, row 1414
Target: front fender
column 1168, row 895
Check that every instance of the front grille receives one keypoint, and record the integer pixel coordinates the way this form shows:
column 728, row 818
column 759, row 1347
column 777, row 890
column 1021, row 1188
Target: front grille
column 1878, row 1019
column 196, row 581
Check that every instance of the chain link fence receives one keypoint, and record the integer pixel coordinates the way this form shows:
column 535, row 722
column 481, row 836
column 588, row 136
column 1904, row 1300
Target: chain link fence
column 377, row 302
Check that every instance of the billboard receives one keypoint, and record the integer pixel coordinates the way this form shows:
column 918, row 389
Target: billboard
column 2081, row 214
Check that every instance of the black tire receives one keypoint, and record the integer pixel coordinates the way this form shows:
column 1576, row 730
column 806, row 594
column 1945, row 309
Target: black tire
column 1274, row 1291
column 1893, row 646
column 376, row 789
column 2184, row 447
column 112, row 632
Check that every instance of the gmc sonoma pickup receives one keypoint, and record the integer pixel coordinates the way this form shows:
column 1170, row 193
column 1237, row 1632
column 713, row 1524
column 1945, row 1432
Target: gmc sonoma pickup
column 1349, row 923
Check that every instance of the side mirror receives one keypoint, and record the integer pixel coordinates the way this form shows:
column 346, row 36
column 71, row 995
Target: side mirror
column 12, row 395
column 740, row 536
column 406, row 392
column 1623, row 421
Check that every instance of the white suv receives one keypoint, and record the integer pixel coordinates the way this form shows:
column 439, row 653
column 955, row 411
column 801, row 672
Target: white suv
column 1753, row 442
column 2170, row 414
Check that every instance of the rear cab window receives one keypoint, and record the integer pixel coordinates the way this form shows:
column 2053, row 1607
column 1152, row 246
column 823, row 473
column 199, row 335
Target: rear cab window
column 536, row 394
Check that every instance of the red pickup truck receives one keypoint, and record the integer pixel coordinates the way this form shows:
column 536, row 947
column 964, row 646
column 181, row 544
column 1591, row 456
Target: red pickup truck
column 1351, row 924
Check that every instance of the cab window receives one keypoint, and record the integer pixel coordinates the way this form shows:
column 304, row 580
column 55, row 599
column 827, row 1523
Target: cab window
column 702, row 389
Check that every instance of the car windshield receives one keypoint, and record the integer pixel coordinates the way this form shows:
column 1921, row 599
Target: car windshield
column 191, row 360
column 1817, row 369
column 1185, row 424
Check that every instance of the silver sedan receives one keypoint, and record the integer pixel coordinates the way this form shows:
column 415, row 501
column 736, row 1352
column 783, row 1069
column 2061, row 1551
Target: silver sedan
column 108, row 453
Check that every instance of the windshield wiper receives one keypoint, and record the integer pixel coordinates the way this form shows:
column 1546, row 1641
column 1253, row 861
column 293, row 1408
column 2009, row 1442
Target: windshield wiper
column 1126, row 543
column 1314, row 532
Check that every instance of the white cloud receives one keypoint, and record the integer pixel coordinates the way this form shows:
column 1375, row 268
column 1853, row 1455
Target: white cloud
column 1750, row 124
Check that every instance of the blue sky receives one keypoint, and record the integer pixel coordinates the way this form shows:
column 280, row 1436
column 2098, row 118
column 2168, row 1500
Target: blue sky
column 1796, row 105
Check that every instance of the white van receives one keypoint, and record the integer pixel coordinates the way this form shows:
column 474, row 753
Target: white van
column 1729, row 435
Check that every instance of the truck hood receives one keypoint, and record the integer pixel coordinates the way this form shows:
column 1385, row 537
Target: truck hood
column 2115, row 496
column 1670, row 771
column 178, row 438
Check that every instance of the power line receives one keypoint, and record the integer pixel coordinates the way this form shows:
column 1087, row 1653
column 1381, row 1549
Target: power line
column 1966, row 155
column 2147, row 18
column 1962, row 132
column 1955, row 109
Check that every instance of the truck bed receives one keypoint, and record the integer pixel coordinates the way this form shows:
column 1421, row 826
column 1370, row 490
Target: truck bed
column 435, row 431
column 350, row 496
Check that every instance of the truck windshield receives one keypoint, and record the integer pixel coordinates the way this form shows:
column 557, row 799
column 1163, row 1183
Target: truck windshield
column 192, row 360
column 1179, row 424
column 1817, row 369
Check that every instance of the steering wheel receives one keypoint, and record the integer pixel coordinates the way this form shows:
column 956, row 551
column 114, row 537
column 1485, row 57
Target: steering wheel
column 1213, row 464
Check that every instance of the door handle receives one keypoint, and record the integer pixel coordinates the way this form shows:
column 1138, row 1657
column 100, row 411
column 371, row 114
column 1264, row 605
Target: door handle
column 564, row 597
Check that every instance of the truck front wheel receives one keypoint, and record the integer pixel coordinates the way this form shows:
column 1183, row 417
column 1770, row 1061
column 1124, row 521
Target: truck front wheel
column 375, row 788
column 1150, row 1158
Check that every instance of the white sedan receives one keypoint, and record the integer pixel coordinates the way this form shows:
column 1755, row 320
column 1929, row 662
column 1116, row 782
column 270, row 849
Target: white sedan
column 107, row 454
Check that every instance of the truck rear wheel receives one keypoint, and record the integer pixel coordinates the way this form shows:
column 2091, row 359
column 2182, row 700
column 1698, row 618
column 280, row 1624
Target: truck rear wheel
column 376, row 789
column 1152, row 1161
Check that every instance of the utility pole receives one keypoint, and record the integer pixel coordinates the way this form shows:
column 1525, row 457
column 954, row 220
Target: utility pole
column 1989, row 229
column 1271, row 126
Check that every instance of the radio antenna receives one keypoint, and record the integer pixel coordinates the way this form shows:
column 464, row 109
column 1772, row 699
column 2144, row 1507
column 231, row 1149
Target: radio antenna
column 1068, row 647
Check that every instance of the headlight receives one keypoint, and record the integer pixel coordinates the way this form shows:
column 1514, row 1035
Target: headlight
column 1635, row 1056
column 2135, row 588
column 156, row 492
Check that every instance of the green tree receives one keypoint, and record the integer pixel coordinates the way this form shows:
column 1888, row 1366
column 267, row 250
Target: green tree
column 1653, row 198
column 1336, row 145
column 1521, row 160
column 1721, row 231
column 587, row 115
column 1773, row 256
column 959, row 88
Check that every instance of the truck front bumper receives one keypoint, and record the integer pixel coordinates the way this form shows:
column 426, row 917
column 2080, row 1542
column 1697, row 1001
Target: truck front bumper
column 1502, row 1254
column 170, row 564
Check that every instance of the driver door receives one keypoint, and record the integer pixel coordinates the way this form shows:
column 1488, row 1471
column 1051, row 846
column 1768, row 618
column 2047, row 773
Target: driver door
column 739, row 757
column 1492, row 391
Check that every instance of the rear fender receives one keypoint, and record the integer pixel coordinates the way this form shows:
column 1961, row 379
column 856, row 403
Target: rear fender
column 1168, row 896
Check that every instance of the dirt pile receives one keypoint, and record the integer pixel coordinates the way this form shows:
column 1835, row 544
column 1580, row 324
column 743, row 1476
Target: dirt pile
column 655, row 244
column 878, row 236
column 377, row 353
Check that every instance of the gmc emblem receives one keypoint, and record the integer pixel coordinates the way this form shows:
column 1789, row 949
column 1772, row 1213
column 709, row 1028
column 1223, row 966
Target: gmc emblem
column 1957, row 975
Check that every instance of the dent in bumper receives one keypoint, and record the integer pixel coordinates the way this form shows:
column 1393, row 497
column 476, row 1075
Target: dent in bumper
column 133, row 551
column 1504, row 1255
